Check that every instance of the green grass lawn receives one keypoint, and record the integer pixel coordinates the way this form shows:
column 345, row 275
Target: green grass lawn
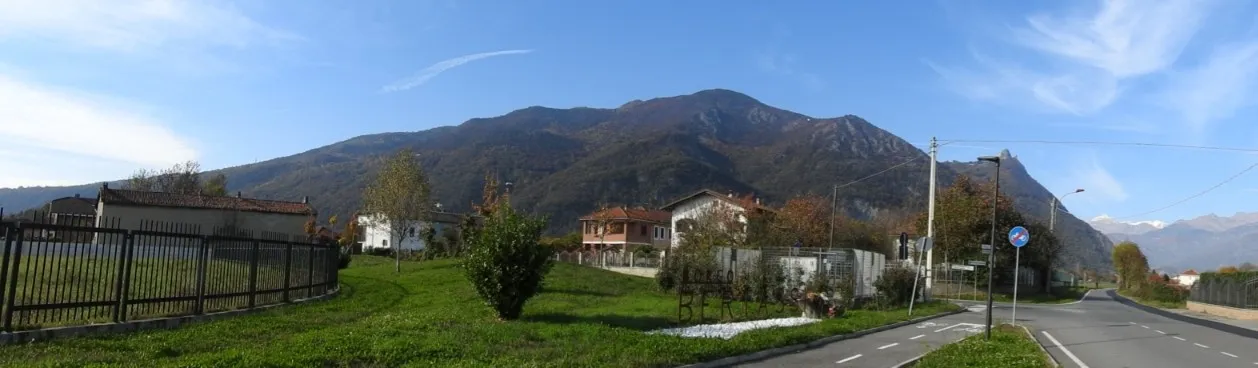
column 429, row 316
column 1058, row 296
column 1009, row 347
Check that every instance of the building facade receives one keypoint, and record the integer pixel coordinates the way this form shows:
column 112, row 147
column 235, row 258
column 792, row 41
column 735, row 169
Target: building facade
column 626, row 228
column 378, row 234
column 208, row 215
column 687, row 210
column 70, row 211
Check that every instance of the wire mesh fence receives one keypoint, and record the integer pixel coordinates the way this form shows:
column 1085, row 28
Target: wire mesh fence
column 1229, row 292
column 800, row 264
column 59, row 273
column 614, row 258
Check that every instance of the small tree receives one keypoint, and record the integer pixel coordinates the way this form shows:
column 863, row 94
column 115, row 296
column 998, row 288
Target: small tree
column 507, row 263
column 400, row 199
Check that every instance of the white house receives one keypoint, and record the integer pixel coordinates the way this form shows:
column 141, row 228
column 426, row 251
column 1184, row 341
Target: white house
column 378, row 234
column 1187, row 278
column 689, row 208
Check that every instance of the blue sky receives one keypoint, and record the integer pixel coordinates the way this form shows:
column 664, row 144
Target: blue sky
column 93, row 90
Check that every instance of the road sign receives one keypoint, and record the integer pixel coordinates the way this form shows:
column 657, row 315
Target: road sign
column 977, row 263
column 963, row 267
column 987, row 248
column 1018, row 236
column 924, row 244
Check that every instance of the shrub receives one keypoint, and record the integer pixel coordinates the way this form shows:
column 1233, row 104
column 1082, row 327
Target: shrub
column 506, row 263
column 344, row 260
column 895, row 286
column 1163, row 292
column 666, row 276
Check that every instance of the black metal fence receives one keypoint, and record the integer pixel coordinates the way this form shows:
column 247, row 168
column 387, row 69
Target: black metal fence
column 1230, row 292
column 58, row 274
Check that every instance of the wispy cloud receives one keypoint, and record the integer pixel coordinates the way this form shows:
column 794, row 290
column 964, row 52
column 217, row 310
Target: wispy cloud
column 1216, row 88
column 57, row 122
column 135, row 25
column 1091, row 175
column 784, row 64
column 1085, row 59
column 434, row 70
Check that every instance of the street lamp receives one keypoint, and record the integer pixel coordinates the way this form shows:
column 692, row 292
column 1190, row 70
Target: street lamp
column 1052, row 217
column 991, row 257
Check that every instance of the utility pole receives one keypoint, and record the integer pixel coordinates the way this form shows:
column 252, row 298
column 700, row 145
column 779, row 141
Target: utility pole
column 834, row 212
column 930, row 217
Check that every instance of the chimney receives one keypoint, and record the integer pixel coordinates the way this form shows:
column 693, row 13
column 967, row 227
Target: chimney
column 104, row 185
column 238, row 195
column 305, row 200
column 731, row 194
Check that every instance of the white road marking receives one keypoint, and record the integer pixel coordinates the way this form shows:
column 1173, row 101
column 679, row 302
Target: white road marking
column 1179, row 338
column 975, row 325
column 1144, row 326
column 1203, row 346
column 1228, row 354
column 1131, row 323
column 848, row 359
column 1160, row 331
column 1064, row 350
column 916, row 337
column 945, row 328
column 887, row 346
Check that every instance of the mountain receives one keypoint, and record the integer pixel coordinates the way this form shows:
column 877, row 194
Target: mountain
column 1202, row 243
column 1108, row 225
column 1085, row 247
column 563, row 162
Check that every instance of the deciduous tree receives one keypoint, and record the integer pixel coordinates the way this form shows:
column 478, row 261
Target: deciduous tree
column 1247, row 267
column 1131, row 265
column 181, row 178
column 1228, row 269
column 399, row 198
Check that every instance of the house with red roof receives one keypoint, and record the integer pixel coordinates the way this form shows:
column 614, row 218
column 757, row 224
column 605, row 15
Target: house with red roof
column 626, row 228
column 129, row 209
column 685, row 211
column 1187, row 278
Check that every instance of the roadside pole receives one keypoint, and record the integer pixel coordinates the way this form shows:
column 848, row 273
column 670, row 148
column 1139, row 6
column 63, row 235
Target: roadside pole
column 1018, row 237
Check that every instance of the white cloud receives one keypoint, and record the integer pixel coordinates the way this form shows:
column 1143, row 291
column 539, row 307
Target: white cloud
column 1086, row 56
column 51, row 123
column 1101, row 186
column 134, row 25
column 784, row 64
column 434, row 70
column 1216, row 88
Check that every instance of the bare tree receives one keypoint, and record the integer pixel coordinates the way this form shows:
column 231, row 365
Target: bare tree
column 400, row 198
column 182, row 178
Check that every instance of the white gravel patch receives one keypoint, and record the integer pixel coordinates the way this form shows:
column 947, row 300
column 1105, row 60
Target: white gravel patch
column 729, row 330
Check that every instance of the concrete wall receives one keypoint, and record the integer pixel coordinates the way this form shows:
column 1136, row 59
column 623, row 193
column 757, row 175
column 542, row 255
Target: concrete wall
column 131, row 218
column 1222, row 311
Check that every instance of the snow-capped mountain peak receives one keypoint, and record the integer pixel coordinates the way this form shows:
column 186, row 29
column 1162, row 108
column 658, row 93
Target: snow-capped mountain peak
column 1109, row 225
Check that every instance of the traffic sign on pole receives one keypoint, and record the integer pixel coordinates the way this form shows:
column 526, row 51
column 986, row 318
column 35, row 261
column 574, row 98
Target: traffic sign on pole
column 1018, row 237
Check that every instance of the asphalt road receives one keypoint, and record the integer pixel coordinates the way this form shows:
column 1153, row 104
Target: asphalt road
column 883, row 349
column 1097, row 332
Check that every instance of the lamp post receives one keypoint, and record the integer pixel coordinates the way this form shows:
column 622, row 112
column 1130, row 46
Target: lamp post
column 991, row 258
column 1052, row 223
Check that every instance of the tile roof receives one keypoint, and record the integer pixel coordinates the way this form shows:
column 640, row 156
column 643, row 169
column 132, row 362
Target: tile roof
column 638, row 214
column 1190, row 272
column 160, row 199
column 734, row 200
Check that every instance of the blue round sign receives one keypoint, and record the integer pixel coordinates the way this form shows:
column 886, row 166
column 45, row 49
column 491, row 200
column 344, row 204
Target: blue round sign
column 1018, row 236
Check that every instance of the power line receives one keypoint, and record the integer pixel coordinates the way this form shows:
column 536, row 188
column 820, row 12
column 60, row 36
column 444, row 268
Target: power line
column 1105, row 143
column 878, row 173
column 1208, row 190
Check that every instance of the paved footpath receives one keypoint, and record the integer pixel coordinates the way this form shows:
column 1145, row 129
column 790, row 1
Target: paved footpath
column 883, row 349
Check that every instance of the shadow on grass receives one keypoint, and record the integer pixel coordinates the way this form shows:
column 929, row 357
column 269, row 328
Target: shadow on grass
column 641, row 323
column 576, row 292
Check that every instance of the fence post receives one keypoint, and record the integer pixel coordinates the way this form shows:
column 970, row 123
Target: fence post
column 253, row 274
column 288, row 269
column 122, row 283
column 202, row 270
column 310, row 270
column 12, row 286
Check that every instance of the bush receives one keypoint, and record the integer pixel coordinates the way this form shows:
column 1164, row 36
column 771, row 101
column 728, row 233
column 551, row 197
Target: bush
column 895, row 287
column 759, row 281
column 344, row 261
column 667, row 276
column 506, row 262
column 1162, row 292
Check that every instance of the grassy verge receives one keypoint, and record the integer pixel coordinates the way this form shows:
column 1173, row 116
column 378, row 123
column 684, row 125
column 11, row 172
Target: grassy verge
column 1153, row 303
column 1009, row 347
column 428, row 315
column 1058, row 296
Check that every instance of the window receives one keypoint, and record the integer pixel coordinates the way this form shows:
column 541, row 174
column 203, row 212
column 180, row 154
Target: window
column 616, row 228
column 643, row 229
column 384, row 242
column 685, row 225
column 410, row 232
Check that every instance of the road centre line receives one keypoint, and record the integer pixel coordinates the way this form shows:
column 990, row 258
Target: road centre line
column 888, row 345
column 848, row 359
column 1179, row 338
column 1229, row 354
column 916, row 337
column 1202, row 346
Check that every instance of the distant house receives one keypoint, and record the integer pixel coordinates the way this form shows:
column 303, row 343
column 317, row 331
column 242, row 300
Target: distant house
column 129, row 209
column 686, row 210
column 378, row 234
column 626, row 228
column 1187, row 278
column 70, row 211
